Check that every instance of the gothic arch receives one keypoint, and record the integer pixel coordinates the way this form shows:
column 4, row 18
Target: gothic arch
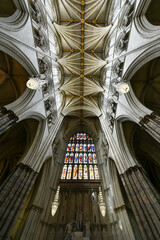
column 30, row 157
column 11, row 50
column 147, row 57
column 13, row 85
column 143, row 22
column 15, row 143
column 152, row 13
column 145, row 149
column 145, row 84
column 14, row 19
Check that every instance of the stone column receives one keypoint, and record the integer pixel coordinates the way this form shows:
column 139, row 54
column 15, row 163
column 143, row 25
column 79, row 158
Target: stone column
column 151, row 123
column 13, row 194
column 7, row 119
column 144, row 200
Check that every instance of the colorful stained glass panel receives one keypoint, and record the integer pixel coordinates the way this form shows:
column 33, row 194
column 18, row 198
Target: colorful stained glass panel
column 81, row 136
column 71, row 158
column 80, row 172
column 94, row 158
column 69, row 172
column 63, row 176
column 69, row 147
column 76, row 158
column 85, row 158
column 91, row 173
column 85, row 172
column 89, row 148
column 77, row 147
column 75, row 170
column 80, row 158
column 66, row 158
column 72, row 147
column 81, row 147
column 96, row 172
column 90, row 158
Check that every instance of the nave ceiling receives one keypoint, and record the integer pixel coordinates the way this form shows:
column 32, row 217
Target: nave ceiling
column 82, row 30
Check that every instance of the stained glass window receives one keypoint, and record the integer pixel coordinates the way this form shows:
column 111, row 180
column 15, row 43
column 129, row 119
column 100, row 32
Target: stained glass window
column 69, row 172
column 91, row 173
column 85, row 172
column 75, row 170
column 80, row 159
column 64, row 172
column 80, row 172
column 96, row 172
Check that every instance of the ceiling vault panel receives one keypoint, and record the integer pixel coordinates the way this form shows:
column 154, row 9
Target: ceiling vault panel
column 82, row 30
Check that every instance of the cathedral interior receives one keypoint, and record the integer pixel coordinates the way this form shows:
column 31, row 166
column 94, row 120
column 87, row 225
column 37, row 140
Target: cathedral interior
column 79, row 120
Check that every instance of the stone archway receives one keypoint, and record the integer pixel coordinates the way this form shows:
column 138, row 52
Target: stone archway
column 15, row 143
column 146, row 150
column 145, row 84
column 152, row 13
column 7, row 8
column 13, row 78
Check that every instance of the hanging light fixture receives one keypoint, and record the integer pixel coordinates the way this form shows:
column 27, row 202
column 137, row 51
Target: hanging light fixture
column 35, row 83
column 55, row 203
column 122, row 87
column 101, row 203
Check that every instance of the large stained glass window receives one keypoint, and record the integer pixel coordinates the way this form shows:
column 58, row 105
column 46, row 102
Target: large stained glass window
column 80, row 161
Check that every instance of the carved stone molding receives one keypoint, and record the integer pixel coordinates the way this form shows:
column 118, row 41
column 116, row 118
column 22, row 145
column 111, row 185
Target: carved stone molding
column 37, row 14
column 119, row 209
column 45, row 66
column 41, row 39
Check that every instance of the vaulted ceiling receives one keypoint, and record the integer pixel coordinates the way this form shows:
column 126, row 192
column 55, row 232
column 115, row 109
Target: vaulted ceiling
column 82, row 29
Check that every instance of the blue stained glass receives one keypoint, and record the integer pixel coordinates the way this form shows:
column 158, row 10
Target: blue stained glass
column 93, row 149
column 78, row 136
column 85, row 148
column 77, row 147
column 76, row 158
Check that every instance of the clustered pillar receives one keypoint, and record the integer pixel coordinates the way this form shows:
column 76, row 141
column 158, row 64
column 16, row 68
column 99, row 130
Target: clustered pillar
column 144, row 200
column 151, row 123
column 13, row 194
column 7, row 119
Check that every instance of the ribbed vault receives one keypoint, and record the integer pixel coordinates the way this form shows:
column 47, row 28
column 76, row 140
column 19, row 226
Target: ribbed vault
column 82, row 29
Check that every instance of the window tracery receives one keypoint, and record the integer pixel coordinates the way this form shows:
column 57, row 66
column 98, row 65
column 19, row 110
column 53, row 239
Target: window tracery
column 80, row 161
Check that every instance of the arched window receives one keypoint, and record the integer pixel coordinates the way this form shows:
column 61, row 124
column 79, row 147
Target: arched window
column 80, row 162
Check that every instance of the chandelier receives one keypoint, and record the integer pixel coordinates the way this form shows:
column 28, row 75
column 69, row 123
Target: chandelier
column 55, row 203
column 101, row 203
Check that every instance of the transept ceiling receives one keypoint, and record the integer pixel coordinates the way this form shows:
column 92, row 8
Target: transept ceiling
column 82, row 29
